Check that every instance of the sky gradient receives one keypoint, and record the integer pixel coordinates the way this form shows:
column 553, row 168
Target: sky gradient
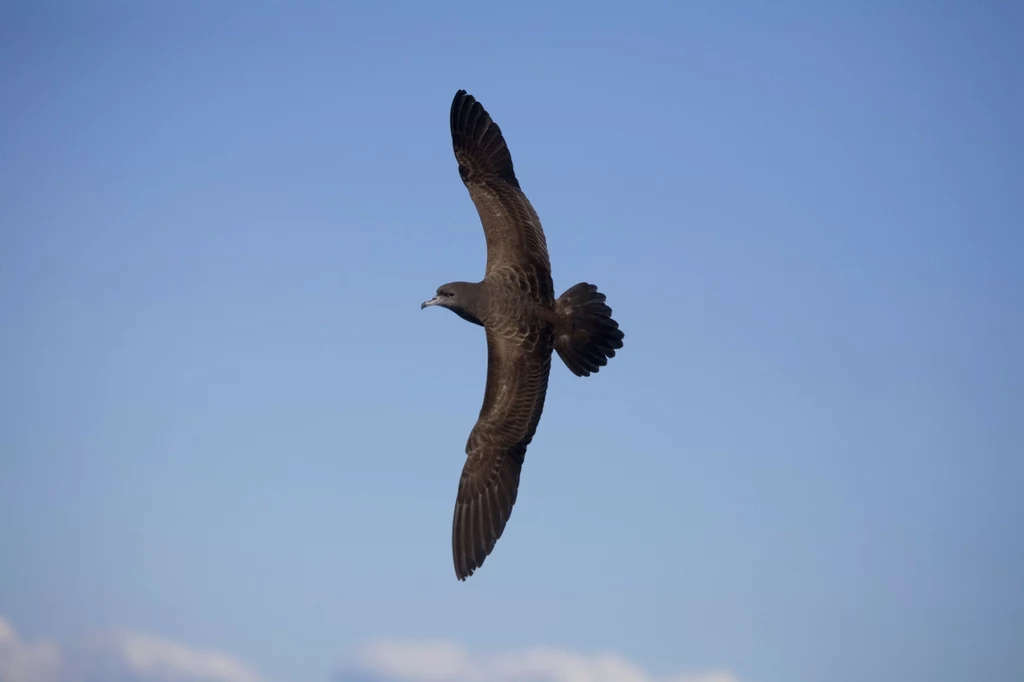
column 226, row 425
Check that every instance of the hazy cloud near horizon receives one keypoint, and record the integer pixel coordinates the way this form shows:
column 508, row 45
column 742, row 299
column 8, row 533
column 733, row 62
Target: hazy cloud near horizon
column 114, row 657
column 137, row 657
column 437, row 660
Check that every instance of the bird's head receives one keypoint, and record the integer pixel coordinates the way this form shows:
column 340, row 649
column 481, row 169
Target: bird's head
column 447, row 296
column 459, row 297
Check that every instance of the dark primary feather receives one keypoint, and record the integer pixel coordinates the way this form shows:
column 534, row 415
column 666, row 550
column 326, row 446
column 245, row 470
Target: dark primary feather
column 479, row 146
column 511, row 226
column 517, row 382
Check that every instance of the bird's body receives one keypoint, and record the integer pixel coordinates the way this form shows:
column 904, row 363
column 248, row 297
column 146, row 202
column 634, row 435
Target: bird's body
column 524, row 323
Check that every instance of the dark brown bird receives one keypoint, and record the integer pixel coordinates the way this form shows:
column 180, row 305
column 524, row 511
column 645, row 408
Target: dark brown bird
column 516, row 305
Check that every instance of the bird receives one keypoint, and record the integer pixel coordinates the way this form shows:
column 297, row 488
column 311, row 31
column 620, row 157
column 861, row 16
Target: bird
column 524, row 324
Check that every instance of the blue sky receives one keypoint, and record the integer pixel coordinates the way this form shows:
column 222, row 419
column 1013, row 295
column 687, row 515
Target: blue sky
column 225, row 422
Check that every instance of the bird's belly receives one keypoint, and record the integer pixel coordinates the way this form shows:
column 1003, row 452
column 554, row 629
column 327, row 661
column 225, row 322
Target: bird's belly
column 522, row 323
column 527, row 283
column 521, row 307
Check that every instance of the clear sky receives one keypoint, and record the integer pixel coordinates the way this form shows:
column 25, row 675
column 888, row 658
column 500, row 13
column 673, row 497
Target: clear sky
column 226, row 426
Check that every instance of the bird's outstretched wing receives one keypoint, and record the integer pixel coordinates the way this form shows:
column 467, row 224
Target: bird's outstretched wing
column 517, row 381
column 511, row 226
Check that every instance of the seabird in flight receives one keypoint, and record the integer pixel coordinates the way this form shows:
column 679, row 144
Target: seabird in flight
column 524, row 322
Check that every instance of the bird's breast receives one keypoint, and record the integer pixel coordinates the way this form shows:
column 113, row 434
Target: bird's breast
column 523, row 283
column 517, row 313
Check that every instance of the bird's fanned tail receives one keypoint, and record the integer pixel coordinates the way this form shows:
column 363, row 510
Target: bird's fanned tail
column 586, row 336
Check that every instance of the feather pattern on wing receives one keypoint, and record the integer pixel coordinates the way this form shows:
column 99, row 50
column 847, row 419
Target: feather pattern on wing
column 513, row 231
column 517, row 380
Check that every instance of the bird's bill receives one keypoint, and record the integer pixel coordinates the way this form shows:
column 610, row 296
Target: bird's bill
column 433, row 301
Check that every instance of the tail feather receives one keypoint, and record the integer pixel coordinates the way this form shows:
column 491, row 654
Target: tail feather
column 587, row 336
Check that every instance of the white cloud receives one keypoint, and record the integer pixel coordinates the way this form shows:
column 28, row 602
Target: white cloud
column 114, row 657
column 155, row 658
column 135, row 657
column 445, row 661
column 23, row 662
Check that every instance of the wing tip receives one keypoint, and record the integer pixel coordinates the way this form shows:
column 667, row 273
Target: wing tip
column 477, row 525
column 467, row 568
column 461, row 102
column 468, row 552
column 478, row 142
